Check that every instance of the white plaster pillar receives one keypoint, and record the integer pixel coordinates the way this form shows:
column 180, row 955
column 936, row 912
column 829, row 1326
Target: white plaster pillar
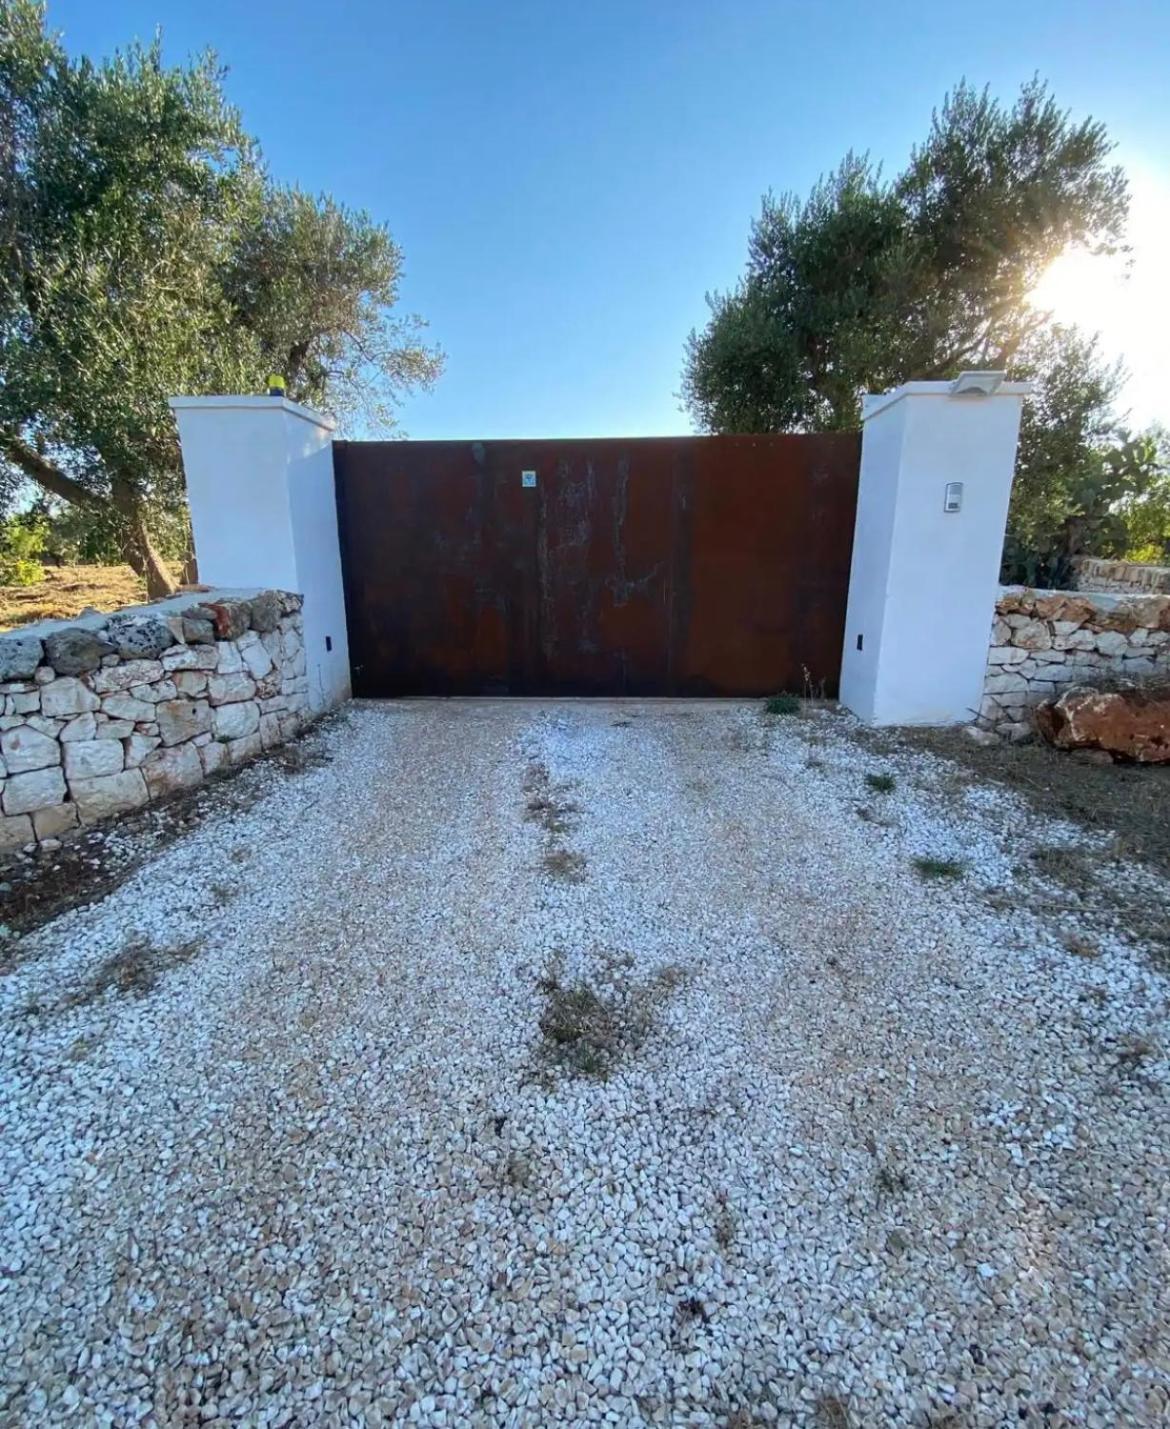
column 924, row 578
column 264, row 514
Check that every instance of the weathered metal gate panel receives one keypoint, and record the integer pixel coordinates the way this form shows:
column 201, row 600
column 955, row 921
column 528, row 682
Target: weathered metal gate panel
column 645, row 566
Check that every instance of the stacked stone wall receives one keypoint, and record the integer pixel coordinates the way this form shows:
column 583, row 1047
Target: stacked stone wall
column 103, row 714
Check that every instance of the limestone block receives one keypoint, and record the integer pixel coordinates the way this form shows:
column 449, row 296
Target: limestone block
column 54, row 821
column 151, row 694
column 111, row 794
column 125, row 675
column 213, row 756
column 228, row 660
column 15, row 832
column 257, row 659
column 191, row 657
column 270, row 734
column 138, row 746
column 998, row 684
column 87, row 759
column 25, row 748
column 266, row 612
column 1033, row 635
column 227, row 689
column 113, row 728
column 236, row 721
column 240, row 750
column 127, row 707
column 36, row 790
column 168, row 770
column 180, row 720
column 191, row 682
column 1111, row 642
column 68, row 696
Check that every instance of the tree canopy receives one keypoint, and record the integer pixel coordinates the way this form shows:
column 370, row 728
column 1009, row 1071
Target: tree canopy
column 870, row 282
column 145, row 251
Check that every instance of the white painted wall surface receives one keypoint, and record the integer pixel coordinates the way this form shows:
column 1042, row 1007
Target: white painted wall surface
column 260, row 485
column 924, row 581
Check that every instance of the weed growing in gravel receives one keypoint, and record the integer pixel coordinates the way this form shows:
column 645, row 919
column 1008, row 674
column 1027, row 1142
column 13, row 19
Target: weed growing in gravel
column 891, row 1180
column 833, row 1412
column 565, row 864
column 134, row 971
column 725, row 1223
column 1135, row 1050
column 881, row 783
column 690, row 1308
column 1060, row 863
column 517, row 1171
column 782, row 705
column 939, row 867
column 585, row 1028
column 552, row 816
column 1082, row 947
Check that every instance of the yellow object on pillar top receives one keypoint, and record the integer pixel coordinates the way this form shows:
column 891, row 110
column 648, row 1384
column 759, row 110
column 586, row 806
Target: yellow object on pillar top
column 276, row 385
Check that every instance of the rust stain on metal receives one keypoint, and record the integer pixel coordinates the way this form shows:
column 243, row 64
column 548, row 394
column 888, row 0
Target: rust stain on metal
column 651, row 566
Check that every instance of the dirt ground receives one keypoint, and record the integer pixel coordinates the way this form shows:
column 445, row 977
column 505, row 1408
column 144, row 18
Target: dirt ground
column 1131, row 801
column 67, row 590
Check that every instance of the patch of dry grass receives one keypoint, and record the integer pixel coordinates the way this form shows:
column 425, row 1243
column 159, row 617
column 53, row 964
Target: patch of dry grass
column 67, row 590
column 585, row 1027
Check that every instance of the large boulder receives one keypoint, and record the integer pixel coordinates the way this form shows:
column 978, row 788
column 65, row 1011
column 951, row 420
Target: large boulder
column 1131, row 722
column 76, row 651
column 139, row 637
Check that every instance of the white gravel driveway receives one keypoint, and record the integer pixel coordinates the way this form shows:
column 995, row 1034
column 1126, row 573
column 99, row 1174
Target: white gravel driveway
column 862, row 1147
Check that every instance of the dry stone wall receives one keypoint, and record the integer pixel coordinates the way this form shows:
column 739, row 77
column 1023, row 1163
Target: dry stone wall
column 103, row 714
column 1123, row 577
column 1043, row 641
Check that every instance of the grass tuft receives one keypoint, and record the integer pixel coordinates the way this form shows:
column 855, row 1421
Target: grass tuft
column 585, row 1029
column 783, row 704
column 939, row 867
column 881, row 783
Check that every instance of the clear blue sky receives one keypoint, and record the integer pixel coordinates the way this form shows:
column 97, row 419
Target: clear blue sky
column 569, row 177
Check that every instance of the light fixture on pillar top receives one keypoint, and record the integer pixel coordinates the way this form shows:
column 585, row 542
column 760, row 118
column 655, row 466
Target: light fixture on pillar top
column 977, row 384
column 276, row 385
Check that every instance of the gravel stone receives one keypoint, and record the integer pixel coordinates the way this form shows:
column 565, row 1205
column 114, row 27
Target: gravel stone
column 284, row 1144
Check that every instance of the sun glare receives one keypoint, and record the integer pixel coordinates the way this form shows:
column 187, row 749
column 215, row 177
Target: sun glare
column 1125, row 299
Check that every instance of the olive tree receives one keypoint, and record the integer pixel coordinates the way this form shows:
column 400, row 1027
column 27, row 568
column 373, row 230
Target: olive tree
column 145, row 251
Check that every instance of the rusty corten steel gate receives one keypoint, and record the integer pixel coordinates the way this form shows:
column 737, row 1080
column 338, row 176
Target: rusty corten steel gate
column 643, row 566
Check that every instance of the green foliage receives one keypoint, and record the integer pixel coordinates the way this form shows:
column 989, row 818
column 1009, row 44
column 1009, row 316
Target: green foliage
column 1083, row 484
column 145, row 251
column 871, row 282
column 22, row 542
column 881, row 783
column 939, row 868
column 782, row 705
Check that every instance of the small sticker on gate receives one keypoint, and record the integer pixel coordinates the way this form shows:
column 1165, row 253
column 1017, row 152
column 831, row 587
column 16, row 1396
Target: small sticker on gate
column 527, row 478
